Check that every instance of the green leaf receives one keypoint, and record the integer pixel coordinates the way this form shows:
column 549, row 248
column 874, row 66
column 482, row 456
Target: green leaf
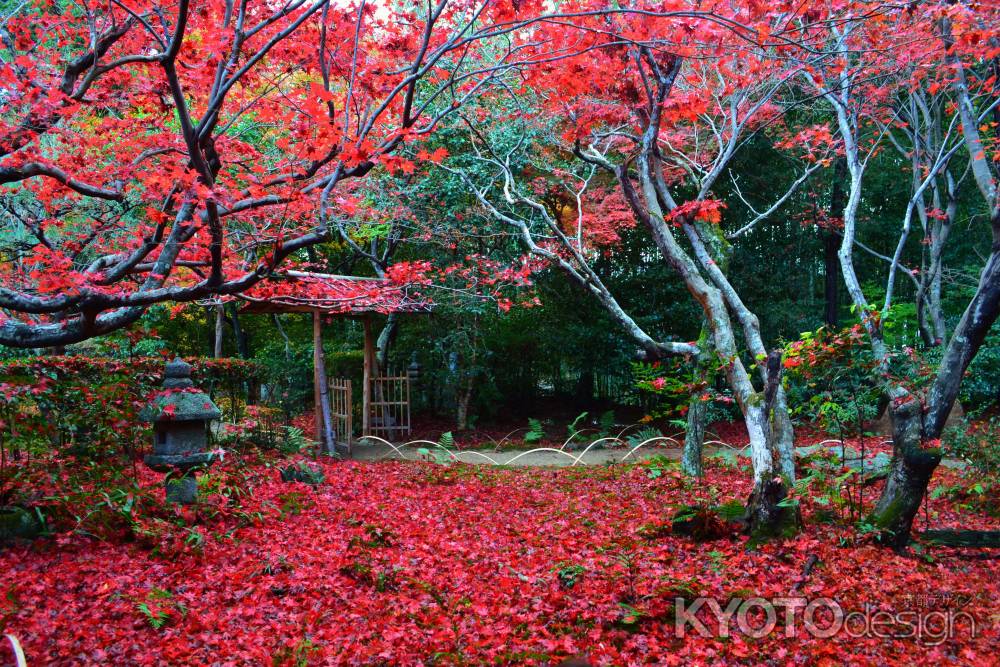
column 574, row 426
column 732, row 510
column 535, row 432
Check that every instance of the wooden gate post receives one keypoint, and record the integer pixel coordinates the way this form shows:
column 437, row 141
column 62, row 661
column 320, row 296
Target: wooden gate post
column 366, row 390
column 321, row 391
column 317, row 365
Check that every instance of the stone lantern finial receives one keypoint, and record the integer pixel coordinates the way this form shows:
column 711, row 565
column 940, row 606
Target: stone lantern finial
column 177, row 374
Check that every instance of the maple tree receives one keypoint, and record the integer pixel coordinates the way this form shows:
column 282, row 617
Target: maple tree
column 939, row 48
column 176, row 152
column 691, row 93
column 663, row 107
column 565, row 218
column 666, row 173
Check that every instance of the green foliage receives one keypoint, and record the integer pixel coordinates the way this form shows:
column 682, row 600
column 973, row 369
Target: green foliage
column 302, row 472
column 977, row 444
column 727, row 456
column 579, row 431
column 295, row 441
column 670, row 386
column 836, row 483
column 297, row 655
column 574, row 427
column 368, row 232
column 569, row 575
column 160, row 609
column 981, row 385
column 535, row 433
column 89, row 406
column 657, row 465
column 441, row 452
column 606, row 423
column 831, row 380
column 293, row 503
column 644, row 434
column 732, row 510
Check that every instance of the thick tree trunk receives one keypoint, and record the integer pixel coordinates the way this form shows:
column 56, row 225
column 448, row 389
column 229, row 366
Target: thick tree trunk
column 220, row 331
column 385, row 340
column 242, row 341
column 909, row 474
column 697, row 416
column 694, row 437
column 912, row 466
column 831, row 243
column 766, row 516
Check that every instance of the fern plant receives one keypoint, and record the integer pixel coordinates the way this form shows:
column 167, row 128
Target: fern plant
column 606, row 422
column 642, row 435
column 160, row 609
column 441, row 453
column 295, row 441
column 536, row 432
column 574, row 427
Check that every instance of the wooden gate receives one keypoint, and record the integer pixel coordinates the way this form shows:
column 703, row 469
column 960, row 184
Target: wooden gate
column 388, row 415
column 342, row 414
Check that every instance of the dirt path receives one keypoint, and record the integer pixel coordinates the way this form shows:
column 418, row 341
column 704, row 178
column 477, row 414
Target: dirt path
column 546, row 457
column 542, row 457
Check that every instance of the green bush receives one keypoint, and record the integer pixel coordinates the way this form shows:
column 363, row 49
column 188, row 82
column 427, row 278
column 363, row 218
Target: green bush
column 981, row 384
column 977, row 444
column 88, row 405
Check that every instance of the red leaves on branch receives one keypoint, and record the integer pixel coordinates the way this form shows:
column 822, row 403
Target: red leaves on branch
column 707, row 210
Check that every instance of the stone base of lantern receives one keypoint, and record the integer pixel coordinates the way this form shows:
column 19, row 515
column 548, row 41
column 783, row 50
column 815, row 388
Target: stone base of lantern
column 182, row 490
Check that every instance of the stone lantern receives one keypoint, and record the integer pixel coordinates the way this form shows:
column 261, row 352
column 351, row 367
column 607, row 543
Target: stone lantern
column 413, row 370
column 180, row 414
column 413, row 376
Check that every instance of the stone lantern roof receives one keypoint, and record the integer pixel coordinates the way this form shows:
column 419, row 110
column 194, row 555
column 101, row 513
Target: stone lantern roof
column 181, row 400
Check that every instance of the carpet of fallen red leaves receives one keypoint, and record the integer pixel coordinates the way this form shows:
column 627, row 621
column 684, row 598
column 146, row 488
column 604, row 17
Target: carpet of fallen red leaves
column 414, row 563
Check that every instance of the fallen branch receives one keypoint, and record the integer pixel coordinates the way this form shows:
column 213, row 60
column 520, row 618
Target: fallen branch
column 811, row 562
column 984, row 539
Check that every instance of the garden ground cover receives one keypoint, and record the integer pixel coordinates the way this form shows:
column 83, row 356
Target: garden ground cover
column 416, row 563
